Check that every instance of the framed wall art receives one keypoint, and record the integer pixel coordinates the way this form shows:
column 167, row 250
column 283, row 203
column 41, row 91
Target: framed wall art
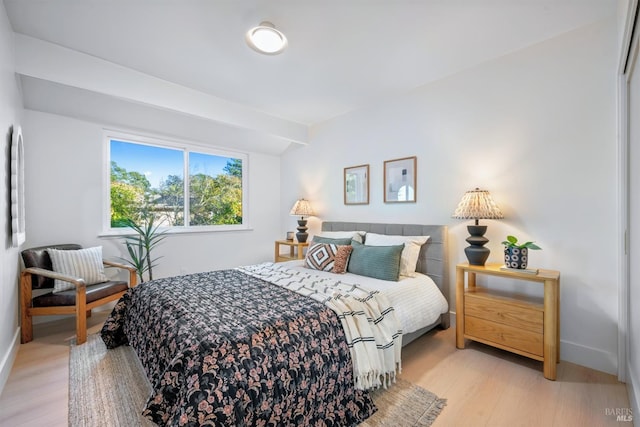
column 356, row 185
column 17, row 188
column 400, row 180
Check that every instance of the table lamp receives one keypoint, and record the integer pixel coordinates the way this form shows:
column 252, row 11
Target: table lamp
column 302, row 208
column 477, row 204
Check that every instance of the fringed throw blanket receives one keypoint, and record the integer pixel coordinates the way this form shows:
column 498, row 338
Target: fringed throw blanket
column 227, row 348
column 372, row 330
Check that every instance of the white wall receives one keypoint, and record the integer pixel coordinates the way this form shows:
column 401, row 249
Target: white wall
column 10, row 115
column 538, row 129
column 63, row 182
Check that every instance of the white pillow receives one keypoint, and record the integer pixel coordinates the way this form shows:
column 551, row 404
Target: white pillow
column 83, row 263
column 355, row 235
column 410, row 253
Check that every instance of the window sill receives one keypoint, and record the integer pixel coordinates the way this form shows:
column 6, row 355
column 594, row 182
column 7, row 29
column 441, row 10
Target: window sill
column 178, row 230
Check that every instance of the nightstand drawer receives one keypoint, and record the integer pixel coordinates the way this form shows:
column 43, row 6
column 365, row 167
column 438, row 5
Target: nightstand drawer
column 504, row 335
column 518, row 315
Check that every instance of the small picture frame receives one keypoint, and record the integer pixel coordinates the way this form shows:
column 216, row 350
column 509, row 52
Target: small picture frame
column 356, row 185
column 400, row 180
column 290, row 235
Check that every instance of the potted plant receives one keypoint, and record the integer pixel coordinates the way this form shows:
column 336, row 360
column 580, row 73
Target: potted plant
column 516, row 255
column 140, row 245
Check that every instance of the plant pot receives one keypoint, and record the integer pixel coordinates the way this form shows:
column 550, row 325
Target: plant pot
column 516, row 257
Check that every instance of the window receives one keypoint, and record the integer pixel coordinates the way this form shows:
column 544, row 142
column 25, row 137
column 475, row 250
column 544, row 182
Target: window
column 147, row 183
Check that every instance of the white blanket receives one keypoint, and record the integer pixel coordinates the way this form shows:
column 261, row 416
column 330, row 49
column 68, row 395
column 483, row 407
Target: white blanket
column 370, row 325
column 417, row 301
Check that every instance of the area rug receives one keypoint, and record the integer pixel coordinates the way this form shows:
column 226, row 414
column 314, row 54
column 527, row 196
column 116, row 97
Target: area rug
column 108, row 388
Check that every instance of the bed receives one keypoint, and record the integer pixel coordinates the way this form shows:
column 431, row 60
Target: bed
column 231, row 348
column 432, row 260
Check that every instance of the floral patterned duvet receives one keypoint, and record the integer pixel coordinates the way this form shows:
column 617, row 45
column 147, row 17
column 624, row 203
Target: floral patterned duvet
column 226, row 348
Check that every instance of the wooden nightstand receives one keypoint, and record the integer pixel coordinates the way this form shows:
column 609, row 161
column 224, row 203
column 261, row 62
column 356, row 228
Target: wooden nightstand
column 296, row 250
column 520, row 324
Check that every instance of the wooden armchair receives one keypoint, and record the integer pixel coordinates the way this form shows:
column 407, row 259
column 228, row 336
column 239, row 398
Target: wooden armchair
column 38, row 274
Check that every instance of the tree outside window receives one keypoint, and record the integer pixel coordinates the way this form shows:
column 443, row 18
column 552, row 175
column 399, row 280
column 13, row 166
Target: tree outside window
column 147, row 180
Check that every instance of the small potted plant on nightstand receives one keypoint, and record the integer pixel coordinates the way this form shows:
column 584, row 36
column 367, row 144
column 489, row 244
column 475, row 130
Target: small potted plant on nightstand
column 516, row 255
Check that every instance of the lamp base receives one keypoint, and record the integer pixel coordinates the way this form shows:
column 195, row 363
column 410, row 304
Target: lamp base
column 476, row 253
column 302, row 234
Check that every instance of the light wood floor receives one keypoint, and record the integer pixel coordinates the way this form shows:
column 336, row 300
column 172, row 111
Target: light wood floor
column 483, row 386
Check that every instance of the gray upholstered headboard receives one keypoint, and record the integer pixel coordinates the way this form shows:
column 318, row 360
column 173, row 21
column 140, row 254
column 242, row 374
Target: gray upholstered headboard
column 433, row 255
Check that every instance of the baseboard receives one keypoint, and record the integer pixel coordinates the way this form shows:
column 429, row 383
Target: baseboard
column 590, row 357
column 8, row 358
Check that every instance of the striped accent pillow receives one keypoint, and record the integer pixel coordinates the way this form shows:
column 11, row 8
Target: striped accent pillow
column 83, row 263
column 328, row 257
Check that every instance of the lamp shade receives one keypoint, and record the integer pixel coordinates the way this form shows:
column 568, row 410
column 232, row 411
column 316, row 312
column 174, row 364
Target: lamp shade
column 477, row 204
column 302, row 208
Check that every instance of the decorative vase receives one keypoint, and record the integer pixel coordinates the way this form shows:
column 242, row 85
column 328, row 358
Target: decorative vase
column 516, row 257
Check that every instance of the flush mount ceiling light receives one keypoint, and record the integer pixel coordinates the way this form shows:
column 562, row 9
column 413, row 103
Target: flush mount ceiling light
column 266, row 39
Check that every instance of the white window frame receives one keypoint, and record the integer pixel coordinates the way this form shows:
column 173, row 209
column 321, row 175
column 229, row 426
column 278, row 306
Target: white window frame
column 185, row 146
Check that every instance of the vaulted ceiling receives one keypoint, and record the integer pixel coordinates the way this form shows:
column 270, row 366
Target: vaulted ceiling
column 189, row 58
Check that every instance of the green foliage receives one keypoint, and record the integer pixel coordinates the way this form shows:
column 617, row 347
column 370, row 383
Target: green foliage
column 125, row 203
column 212, row 200
column 215, row 200
column 135, row 179
column 129, row 192
column 234, row 168
column 139, row 247
column 512, row 242
column 171, row 199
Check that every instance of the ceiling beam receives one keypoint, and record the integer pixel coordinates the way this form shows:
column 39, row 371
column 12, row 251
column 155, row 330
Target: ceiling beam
column 47, row 61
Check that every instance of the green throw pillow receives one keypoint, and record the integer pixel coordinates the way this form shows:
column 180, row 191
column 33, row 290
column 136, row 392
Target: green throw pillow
column 340, row 241
column 380, row 262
